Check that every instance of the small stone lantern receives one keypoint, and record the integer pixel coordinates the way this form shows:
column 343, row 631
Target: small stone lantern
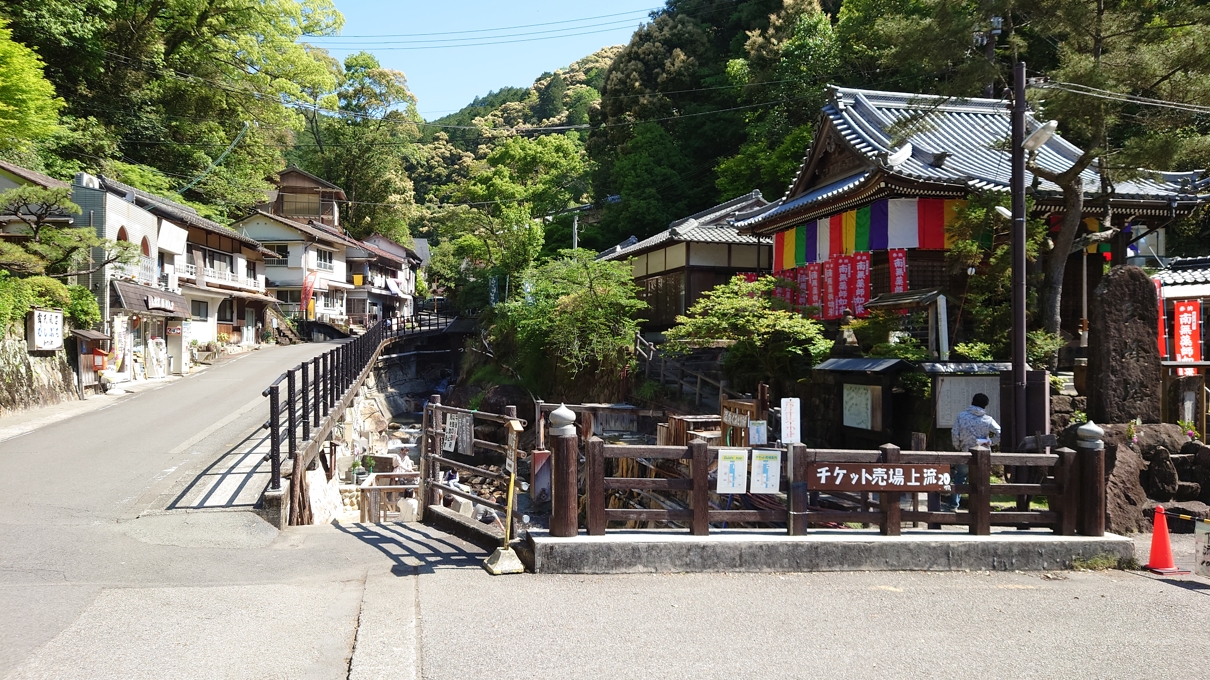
column 1090, row 435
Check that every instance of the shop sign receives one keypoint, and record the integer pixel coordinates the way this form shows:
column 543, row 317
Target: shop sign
column 44, row 330
column 1188, row 319
column 877, row 477
column 175, row 330
column 161, row 303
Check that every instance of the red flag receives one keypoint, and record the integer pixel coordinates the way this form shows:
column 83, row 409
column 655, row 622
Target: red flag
column 813, row 288
column 1187, row 316
column 899, row 277
column 861, row 283
column 844, row 284
column 829, row 289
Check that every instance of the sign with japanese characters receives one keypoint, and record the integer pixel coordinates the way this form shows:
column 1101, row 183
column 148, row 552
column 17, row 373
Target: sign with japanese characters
column 791, row 429
column 878, row 477
column 899, row 276
column 861, row 283
column 1201, row 549
column 829, row 290
column 766, row 471
column 44, row 330
column 813, row 288
column 1187, row 317
column 732, row 471
column 844, row 284
column 758, row 432
column 802, row 277
column 1163, row 319
column 450, row 440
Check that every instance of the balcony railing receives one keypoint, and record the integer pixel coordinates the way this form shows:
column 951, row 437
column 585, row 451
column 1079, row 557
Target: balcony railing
column 325, row 266
column 230, row 278
column 187, row 271
column 143, row 271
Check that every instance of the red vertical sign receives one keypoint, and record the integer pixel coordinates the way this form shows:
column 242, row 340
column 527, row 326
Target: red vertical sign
column 861, row 282
column 844, row 283
column 899, row 279
column 1187, row 315
column 813, row 288
column 801, row 279
column 829, row 289
column 1163, row 320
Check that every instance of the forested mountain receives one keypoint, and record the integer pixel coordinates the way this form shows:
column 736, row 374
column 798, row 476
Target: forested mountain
column 708, row 100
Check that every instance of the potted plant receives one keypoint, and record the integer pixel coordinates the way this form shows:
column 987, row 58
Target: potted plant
column 357, row 473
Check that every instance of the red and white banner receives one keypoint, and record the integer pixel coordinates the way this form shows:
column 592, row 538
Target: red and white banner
column 829, row 290
column 899, row 277
column 844, row 283
column 1163, row 320
column 861, row 283
column 800, row 275
column 1187, row 317
column 813, row 288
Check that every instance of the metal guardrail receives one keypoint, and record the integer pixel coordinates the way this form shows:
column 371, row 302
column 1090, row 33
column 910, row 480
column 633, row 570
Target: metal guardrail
column 316, row 392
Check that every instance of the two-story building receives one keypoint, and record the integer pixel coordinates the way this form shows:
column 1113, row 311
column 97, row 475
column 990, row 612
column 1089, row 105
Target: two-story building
column 386, row 284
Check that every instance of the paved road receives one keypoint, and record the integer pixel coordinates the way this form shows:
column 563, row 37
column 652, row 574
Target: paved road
column 98, row 581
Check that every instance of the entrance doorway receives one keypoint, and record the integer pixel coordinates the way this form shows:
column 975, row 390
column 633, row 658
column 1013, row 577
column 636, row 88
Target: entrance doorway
column 249, row 326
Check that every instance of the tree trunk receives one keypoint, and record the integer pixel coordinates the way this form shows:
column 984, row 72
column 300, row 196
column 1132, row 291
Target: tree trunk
column 1056, row 264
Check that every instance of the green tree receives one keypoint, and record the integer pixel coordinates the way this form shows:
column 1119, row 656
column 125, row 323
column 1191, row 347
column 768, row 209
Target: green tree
column 768, row 344
column 651, row 178
column 46, row 244
column 29, row 109
column 364, row 146
column 550, row 100
column 568, row 328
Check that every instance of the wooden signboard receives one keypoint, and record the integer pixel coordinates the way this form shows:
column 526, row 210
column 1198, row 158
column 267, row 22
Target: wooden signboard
column 878, row 477
column 735, row 415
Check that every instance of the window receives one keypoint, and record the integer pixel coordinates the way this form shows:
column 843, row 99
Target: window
column 145, row 247
column 289, row 296
column 300, row 204
column 225, row 312
column 221, row 262
column 323, row 259
column 283, row 255
column 250, row 269
column 199, row 309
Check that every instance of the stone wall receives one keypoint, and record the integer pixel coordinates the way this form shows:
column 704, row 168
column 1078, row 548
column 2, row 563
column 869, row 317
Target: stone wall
column 33, row 380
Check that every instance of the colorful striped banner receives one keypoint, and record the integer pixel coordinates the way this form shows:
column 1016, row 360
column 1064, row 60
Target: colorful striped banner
column 849, row 224
column 787, row 256
column 862, row 242
column 878, row 226
column 800, row 245
column 835, row 235
column 823, row 244
column 779, row 240
column 930, row 221
column 902, row 229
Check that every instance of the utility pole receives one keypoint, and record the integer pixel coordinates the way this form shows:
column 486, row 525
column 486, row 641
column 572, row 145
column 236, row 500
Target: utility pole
column 575, row 231
column 1018, row 254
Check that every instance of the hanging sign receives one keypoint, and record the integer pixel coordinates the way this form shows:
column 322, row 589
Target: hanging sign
column 451, row 432
column 791, row 431
column 732, row 471
column 803, row 279
column 758, row 432
column 466, row 434
column 844, row 284
column 861, row 283
column 813, row 288
column 1187, row 315
column 1201, row 549
column 829, row 290
column 44, row 330
column 899, row 278
column 766, row 471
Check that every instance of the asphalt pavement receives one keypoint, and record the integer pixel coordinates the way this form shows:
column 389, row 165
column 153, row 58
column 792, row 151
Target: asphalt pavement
column 100, row 579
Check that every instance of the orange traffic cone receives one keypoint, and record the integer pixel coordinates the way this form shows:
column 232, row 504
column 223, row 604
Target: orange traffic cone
column 1160, row 560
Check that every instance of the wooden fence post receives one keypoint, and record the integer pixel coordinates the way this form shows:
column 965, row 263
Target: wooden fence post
column 889, row 500
column 1091, row 458
column 980, row 495
column 701, row 488
column 1069, row 501
column 565, row 506
column 596, row 487
column 799, row 497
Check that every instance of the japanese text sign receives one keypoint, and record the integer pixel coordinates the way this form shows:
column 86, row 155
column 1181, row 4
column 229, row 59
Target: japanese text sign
column 829, row 290
column 813, row 287
column 766, row 471
column 732, row 471
column 1187, row 318
column 878, row 477
column 844, row 283
column 44, row 330
column 861, row 283
column 791, row 429
column 899, row 277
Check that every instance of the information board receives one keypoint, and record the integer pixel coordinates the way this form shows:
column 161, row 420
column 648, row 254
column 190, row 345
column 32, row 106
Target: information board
column 954, row 393
column 1201, row 549
column 862, row 406
column 44, row 330
column 732, row 471
column 766, row 471
column 877, row 477
column 791, row 430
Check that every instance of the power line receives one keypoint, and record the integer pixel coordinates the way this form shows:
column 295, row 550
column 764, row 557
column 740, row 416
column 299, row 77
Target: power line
column 1089, row 91
column 501, row 28
column 612, row 24
column 481, row 44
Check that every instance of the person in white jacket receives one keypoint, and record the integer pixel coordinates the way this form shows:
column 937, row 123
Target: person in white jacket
column 973, row 427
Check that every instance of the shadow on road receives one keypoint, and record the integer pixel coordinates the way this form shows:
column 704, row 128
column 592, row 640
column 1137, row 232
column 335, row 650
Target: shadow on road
column 235, row 480
column 416, row 548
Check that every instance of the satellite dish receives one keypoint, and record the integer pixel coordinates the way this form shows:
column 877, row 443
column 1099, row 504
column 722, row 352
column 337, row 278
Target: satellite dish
column 899, row 156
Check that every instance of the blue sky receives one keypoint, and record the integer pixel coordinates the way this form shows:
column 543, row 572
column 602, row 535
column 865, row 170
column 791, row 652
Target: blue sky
column 447, row 75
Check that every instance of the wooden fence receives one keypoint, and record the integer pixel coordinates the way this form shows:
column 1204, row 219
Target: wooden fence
column 433, row 460
column 1073, row 486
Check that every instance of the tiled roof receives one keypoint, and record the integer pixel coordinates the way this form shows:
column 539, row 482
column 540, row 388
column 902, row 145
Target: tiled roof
column 837, row 188
column 34, row 177
column 173, row 211
column 963, row 143
column 713, row 225
column 1185, row 271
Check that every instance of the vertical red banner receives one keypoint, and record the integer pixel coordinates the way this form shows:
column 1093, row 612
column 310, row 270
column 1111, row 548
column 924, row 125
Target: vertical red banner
column 829, row 290
column 813, row 288
column 844, row 283
column 861, row 283
column 899, row 277
column 1187, row 315
column 1163, row 320
column 801, row 278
